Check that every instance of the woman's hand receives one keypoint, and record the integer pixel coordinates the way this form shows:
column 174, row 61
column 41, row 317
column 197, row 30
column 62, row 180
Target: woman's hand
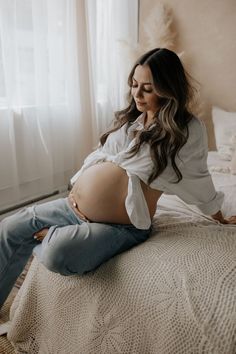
column 219, row 217
column 39, row 236
column 231, row 220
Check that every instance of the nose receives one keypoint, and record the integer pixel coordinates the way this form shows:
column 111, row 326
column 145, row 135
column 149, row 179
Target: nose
column 138, row 92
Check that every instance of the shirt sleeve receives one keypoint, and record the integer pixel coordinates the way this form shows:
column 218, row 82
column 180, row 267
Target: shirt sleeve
column 196, row 186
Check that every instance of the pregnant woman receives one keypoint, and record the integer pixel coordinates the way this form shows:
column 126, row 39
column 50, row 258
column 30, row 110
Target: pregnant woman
column 156, row 145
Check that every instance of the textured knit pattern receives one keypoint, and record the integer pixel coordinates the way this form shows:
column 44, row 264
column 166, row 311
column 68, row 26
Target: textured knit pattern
column 5, row 345
column 173, row 294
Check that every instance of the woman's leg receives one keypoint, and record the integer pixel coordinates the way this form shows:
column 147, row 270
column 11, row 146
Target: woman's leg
column 77, row 249
column 17, row 241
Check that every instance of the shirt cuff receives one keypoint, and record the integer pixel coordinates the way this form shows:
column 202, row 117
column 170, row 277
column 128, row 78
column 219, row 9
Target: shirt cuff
column 213, row 206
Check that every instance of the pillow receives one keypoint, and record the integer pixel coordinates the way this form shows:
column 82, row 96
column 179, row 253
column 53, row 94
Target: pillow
column 226, row 183
column 225, row 130
column 215, row 164
column 233, row 164
column 225, row 152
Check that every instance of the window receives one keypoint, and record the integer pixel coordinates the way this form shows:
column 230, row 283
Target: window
column 32, row 52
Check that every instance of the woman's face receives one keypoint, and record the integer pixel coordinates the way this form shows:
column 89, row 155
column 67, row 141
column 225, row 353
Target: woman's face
column 143, row 90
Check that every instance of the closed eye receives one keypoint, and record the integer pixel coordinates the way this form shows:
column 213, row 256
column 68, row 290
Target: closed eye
column 143, row 89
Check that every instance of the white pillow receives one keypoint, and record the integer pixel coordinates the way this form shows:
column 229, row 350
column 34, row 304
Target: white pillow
column 224, row 127
column 233, row 164
column 216, row 164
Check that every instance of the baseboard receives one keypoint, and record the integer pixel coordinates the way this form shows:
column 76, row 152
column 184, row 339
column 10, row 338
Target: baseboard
column 41, row 200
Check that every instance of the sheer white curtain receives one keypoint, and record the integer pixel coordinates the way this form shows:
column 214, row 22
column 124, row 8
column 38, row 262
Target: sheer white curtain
column 110, row 23
column 43, row 138
column 61, row 78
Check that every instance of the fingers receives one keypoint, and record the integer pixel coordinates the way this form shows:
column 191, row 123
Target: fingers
column 39, row 236
column 231, row 220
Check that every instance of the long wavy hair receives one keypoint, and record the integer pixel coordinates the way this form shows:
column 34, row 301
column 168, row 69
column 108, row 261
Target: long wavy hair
column 170, row 129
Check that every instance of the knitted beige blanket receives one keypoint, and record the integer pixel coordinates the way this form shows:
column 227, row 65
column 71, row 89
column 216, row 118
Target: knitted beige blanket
column 173, row 294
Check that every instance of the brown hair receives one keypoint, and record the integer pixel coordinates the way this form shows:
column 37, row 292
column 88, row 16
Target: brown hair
column 170, row 131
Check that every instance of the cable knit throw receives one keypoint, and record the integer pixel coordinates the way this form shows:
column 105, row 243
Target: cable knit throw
column 173, row 294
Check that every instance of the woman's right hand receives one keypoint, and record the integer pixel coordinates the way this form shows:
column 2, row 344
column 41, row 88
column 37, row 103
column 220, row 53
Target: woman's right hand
column 39, row 236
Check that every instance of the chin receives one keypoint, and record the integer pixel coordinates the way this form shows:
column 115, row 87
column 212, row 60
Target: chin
column 140, row 108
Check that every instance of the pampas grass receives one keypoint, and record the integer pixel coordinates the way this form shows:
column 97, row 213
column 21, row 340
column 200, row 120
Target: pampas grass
column 158, row 34
column 158, row 28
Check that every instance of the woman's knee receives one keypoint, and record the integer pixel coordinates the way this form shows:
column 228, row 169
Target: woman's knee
column 54, row 262
column 59, row 251
column 58, row 262
column 76, row 249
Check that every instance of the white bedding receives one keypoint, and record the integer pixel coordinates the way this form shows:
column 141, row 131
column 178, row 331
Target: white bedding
column 224, row 181
column 173, row 294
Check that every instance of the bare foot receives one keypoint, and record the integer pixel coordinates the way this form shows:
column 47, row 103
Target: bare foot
column 39, row 236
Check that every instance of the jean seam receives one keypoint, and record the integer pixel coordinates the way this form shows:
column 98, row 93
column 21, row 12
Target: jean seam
column 8, row 265
column 34, row 217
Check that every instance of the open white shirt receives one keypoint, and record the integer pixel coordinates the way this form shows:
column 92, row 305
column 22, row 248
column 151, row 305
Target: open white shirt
column 195, row 188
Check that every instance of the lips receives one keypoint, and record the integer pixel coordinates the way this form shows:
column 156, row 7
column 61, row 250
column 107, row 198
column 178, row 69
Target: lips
column 140, row 103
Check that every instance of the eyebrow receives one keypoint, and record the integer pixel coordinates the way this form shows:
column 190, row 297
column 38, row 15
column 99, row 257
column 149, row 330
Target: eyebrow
column 144, row 83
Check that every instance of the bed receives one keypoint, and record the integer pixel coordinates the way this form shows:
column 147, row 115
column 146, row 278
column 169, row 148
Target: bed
column 173, row 294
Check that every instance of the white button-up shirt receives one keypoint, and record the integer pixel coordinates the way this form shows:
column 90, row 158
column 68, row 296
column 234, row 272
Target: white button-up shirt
column 195, row 188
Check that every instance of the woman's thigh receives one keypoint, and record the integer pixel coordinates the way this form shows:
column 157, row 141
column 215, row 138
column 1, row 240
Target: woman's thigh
column 77, row 249
column 19, row 228
column 57, row 212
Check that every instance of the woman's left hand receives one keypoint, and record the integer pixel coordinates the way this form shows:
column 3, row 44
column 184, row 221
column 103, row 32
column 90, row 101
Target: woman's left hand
column 219, row 217
column 231, row 220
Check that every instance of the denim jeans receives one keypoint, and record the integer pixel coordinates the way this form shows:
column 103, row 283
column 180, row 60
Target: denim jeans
column 71, row 246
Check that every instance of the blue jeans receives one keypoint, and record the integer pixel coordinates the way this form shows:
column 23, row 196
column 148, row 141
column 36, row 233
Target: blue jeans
column 71, row 246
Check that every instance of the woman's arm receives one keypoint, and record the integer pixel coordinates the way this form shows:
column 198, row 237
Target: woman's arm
column 219, row 217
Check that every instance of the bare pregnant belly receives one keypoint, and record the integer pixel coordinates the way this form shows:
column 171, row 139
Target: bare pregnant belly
column 101, row 190
column 100, row 193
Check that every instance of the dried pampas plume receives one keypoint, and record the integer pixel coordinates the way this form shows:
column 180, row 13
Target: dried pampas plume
column 158, row 28
column 158, row 32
